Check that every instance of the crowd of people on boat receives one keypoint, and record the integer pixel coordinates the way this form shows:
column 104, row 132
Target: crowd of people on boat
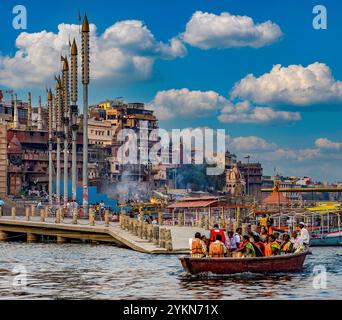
column 262, row 242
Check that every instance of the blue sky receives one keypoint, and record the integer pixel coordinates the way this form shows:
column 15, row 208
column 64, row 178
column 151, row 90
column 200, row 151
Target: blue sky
column 301, row 138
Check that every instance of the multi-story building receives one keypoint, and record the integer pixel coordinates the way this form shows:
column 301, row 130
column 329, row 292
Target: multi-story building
column 100, row 132
column 252, row 173
column 117, row 115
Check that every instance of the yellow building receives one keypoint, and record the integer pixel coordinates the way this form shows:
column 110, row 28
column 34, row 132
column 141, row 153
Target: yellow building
column 105, row 105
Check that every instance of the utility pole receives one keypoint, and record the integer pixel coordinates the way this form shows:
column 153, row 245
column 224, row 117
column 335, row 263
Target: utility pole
column 59, row 106
column 85, row 82
column 74, row 113
column 66, row 127
column 50, row 114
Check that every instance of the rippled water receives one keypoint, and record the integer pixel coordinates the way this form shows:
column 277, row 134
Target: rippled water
column 75, row 271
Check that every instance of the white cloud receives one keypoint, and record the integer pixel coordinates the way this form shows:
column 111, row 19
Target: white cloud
column 264, row 150
column 251, row 143
column 324, row 143
column 126, row 51
column 172, row 103
column 206, row 31
column 293, row 85
column 244, row 112
column 310, row 161
column 292, row 154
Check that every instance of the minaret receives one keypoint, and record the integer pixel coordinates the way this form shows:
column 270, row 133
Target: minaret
column 15, row 112
column 50, row 128
column 29, row 111
column 74, row 113
column 40, row 116
column 59, row 106
column 66, row 127
column 85, row 82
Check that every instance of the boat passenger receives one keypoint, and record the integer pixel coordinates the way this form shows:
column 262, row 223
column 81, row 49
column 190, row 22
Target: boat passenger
column 205, row 240
column 298, row 245
column 259, row 246
column 198, row 248
column 263, row 220
column 276, row 234
column 238, row 237
column 217, row 249
column 304, row 234
column 217, row 231
column 231, row 242
column 269, row 228
column 247, row 247
column 272, row 247
column 263, row 235
column 287, row 246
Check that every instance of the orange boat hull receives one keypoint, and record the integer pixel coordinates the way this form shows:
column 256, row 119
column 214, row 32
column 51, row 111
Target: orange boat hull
column 283, row 263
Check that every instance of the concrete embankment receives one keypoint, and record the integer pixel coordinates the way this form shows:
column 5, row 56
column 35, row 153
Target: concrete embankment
column 38, row 228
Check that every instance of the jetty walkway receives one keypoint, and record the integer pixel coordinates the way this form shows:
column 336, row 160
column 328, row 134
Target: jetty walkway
column 128, row 233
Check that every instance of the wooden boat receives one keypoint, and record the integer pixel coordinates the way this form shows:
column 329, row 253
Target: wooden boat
column 282, row 263
column 332, row 238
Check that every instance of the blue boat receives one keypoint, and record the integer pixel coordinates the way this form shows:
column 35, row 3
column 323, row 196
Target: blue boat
column 331, row 238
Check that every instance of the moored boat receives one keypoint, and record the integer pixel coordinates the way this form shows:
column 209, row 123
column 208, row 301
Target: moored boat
column 275, row 264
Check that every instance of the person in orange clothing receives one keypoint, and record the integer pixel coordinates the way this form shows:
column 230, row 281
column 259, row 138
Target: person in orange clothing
column 269, row 228
column 272, row 247
column 287, row 246
column 198, row 248
column 217, row 249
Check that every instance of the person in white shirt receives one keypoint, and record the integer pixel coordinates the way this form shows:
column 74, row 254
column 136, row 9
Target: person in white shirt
column 304, row 234
column 231, row 242
column 238, row 237
column 297, row 242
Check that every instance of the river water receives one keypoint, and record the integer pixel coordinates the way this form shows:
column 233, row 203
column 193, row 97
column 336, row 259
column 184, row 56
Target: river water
column 76, row 271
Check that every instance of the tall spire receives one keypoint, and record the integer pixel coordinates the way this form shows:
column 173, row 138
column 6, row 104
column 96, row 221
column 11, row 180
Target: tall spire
column 85, row 81
column 74, row 90
column 74, row 113
column 66, row 100
column 50, row 129
column 65, row 86
column 59, row 104
column 85, row 25
column 59, row 111
column 50, row 112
